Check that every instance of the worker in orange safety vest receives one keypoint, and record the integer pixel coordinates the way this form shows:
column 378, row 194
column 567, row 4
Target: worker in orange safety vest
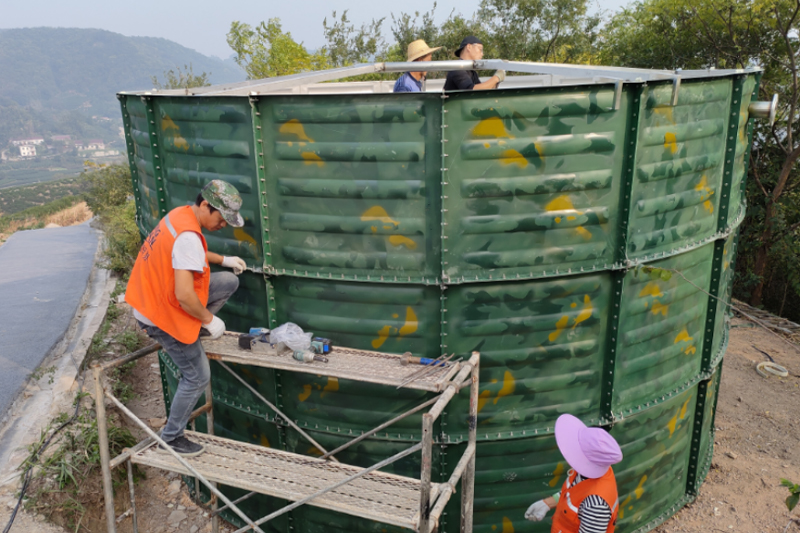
column 588, row 500
column 175, row 297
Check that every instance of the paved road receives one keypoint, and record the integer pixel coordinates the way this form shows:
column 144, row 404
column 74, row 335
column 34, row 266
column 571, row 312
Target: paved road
column 43, row 275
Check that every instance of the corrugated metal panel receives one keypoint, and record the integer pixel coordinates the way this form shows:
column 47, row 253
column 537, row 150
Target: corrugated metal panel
column 205, row 139
column 652, row 476
column 143, row 160
column 706, row 448
column 317, row 520
column 661, row 328
column 365, row 453
column 528, row 187
column 229, row 391
column 353, row 185
column 723, row 315
column 679, row 161
column 249, row 305
column 370, row 316
column 509, row 476
column 742, row 155
column 389, row 318
column 541, row 345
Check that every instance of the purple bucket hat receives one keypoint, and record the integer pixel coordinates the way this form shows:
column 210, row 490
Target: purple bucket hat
column 590, row 451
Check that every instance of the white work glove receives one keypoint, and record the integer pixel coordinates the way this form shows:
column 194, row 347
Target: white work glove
column 216, row 327
column 501, row 75
column 236, row 264
column 537, row 511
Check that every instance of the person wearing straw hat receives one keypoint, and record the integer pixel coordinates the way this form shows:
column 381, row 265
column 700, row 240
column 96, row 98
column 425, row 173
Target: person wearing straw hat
column 411, row 82
column 175, row 297
column 471, row 49
column 588, row 500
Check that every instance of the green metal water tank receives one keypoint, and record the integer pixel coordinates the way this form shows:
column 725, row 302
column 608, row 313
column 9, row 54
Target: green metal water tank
column 577, row 227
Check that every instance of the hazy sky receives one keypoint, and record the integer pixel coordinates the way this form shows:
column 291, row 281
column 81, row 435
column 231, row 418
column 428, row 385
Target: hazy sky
column 202, row 24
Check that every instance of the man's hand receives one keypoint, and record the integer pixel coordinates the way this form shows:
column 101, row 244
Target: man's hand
column 236, row 264
column 216, row 327
column 537, row 511
column 500, row 75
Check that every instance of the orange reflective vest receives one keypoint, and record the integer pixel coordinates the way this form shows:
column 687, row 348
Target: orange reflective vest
column 566, row 520
column 151, row 288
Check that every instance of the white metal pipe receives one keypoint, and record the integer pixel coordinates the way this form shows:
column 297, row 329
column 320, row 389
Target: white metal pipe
column 102, row 442
column 449, row 488
column 454, row 386
column 133, row 497
column 468, row 482
column 286, row 82
column 127, row 452
column 275, row 408
column 381, row 427
column 210, row 431
column 765, row 110
column 428, row 66
column 425, row 472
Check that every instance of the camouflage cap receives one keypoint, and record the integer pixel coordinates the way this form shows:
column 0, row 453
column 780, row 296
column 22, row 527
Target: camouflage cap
column 225, row 198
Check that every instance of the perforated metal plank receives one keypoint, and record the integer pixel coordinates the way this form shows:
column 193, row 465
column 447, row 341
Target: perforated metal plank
column 375, row 496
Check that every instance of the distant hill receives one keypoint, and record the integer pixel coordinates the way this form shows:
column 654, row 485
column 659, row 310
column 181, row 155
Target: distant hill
column 63, row 69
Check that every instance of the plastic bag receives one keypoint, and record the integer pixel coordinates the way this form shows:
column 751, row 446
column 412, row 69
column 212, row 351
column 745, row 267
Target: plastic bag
column 292, row 336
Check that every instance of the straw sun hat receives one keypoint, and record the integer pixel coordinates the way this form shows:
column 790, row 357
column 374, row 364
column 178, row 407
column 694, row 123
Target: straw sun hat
column 419, row 49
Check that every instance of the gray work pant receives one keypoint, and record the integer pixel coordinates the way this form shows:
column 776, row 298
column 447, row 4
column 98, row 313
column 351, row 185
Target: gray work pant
column 191, row 359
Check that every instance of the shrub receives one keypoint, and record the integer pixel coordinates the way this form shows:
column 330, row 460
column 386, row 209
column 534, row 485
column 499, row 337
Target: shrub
column 110, row 199
column 109, row 186
column 123, row 239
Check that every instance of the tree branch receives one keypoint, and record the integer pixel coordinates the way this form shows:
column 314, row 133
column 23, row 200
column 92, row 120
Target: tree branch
column 784, row 30
column 552, row 42
column 758, row 181
column 786, row 171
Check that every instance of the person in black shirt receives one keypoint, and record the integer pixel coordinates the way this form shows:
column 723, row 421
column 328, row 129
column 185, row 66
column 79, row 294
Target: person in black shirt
column 471, row 49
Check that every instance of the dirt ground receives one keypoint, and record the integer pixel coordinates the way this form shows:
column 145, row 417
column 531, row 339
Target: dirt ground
column 757, row 443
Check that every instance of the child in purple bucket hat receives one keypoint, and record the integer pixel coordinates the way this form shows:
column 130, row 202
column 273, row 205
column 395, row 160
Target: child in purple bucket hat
column 588, row 499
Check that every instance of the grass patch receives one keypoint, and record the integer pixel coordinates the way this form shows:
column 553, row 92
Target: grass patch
column 65, row 484
column 66, row 478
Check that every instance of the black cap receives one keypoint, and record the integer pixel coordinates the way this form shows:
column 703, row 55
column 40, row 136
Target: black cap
column 467, row 40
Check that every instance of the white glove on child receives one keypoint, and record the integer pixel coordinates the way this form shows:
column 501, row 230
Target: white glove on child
column 537, row 511
column 236, row 264
column 216, row 327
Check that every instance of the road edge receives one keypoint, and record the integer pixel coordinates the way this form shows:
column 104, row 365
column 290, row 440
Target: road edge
column 39, row 401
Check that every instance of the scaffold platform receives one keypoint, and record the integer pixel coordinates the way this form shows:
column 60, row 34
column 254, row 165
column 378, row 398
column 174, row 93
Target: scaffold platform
column 368, row 493
column 376, row 496
column 343, row 363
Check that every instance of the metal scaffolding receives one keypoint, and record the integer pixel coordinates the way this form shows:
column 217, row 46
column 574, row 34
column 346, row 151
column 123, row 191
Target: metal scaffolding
column 324, row 482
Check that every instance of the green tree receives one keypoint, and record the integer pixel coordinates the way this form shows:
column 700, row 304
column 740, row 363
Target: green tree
column 181, row 79
column 448, row 35
column 407, row 29
column 110, row 198
column 109, row 186
column 348, row 45
column 267, row 52
column 540, row 30
column 695, row 34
